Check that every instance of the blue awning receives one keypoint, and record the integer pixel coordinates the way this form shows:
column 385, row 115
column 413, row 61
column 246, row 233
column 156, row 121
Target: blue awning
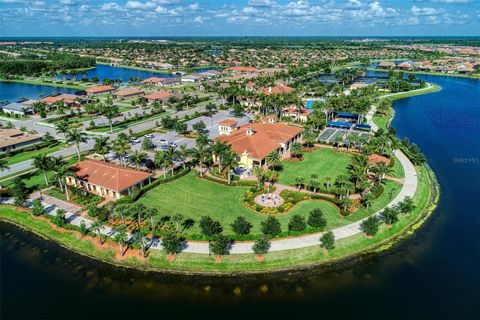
column 339, row 124
column 347, row 115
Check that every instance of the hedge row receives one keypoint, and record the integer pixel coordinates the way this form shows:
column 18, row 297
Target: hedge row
column 237, row 183
column 129, row 120
column 34, row 147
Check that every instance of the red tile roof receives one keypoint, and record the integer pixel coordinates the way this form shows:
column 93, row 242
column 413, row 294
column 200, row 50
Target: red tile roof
column 266, row 138
column 128, row 92
column 242, row 69
column 99, row 89
column 227, row 122
column 152, row 80
column 158, row 95
column 108, row 175
column 278, row 89
column 303, row 111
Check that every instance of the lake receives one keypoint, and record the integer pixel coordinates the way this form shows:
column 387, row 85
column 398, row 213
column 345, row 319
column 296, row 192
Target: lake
column 433, row 274
column 12, row 92
column 103, row 71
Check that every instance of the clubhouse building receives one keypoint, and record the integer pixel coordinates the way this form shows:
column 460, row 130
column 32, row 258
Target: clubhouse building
column 252, row 142
column 107, row 179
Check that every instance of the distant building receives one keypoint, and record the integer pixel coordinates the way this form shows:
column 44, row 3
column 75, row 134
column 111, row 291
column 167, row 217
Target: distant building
column 93, row 91
column 107, row 179
column 278, row 89
column 386, row 65
column 162, row 96
column 13, row 139
column 128, row 93
column 297, row 115
column 227, row 126
column 191, row 78
column 18, row 109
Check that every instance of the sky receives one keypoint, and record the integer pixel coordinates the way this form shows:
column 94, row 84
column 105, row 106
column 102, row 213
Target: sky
column 239, row 18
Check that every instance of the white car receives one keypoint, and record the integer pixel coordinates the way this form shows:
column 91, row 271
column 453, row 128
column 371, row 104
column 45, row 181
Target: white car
column 163, row 141
column 149, row 136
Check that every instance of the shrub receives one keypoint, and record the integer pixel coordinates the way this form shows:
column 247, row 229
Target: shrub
column 209, row 226
column 297, row 223
column 271, row 226
column 220, row 245
column 389, row 215
column 37, row 208
column 316, row 219
column 83, row 228
column 59, row 218
column 327, row 240
column 172, row 243
column 370, row 225
column 241, row 226
column 261, row 246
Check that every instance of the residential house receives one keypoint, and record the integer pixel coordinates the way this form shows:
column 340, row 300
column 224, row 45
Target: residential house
column 295, row 114
column 252, row 142
column 13, row 139
column 97, row 90
column 17, row 109
column 107, row 179
column 128, row 93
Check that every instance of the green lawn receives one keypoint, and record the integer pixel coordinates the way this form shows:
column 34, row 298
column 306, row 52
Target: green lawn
column 22, row 156
column 194, row 197
column 35, row 179
column 397, row 170
column 324, row 162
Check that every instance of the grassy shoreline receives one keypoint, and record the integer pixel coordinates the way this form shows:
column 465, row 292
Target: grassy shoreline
column 187, row 263
column 438, row 74
column 42, row 83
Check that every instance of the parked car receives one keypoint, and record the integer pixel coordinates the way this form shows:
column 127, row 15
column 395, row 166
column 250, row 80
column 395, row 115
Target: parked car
column 149, row 136
column 135, row 141
column 163, row 141
column 173, row 144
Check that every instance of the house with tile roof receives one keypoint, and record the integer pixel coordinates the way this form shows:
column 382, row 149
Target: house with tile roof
column 107, row 179
column 252, row 142
column 97, row 90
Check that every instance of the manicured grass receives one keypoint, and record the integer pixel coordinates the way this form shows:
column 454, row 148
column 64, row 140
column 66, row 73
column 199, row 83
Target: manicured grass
column 22, row 156
column 381, row 120
column 246, row 262
column 390, row 190
column 194, row 198
column 397, row 170
column 42, row 228
column 35, row 179
column 324, row 162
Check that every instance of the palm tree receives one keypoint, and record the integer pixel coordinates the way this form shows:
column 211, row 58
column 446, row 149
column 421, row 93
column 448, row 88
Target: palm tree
column 296, row 150
column 229, row 160
column 3, row 165
column 381, row 170
column 218, row 149
column 121, row 211
column 121, row 237
column 150, row 214
column 120, row 149
column 76, row 136
column 97, row 227
column 137, row 211
column 161, row 161
column 44, row 163
column 202, row 143
column 62, row 127
column 177, row 219
column 183, row 152
column 299, row 181
column 110, row 111
column 137, row 157
column 171, row 154
column 102, row 146
column 260, row 174
column 310, row 137
column 272, row 177
column 61, row 170
column 273, row 159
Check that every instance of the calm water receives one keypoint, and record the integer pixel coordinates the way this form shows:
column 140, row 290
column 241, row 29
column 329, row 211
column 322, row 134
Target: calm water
column 105, row 71
column 432, row 275
column 12, row 92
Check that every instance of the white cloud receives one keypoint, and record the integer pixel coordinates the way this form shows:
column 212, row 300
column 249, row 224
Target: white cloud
column 262, row 3
column 111, row 6
column 194, row 7
column 200, row 19
column 426, row 11
column 137, row 5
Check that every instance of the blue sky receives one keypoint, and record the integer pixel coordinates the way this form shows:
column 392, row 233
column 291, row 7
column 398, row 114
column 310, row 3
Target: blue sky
column 239, row 18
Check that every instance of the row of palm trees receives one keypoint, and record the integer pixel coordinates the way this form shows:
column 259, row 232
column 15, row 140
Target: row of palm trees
column 57, row 166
